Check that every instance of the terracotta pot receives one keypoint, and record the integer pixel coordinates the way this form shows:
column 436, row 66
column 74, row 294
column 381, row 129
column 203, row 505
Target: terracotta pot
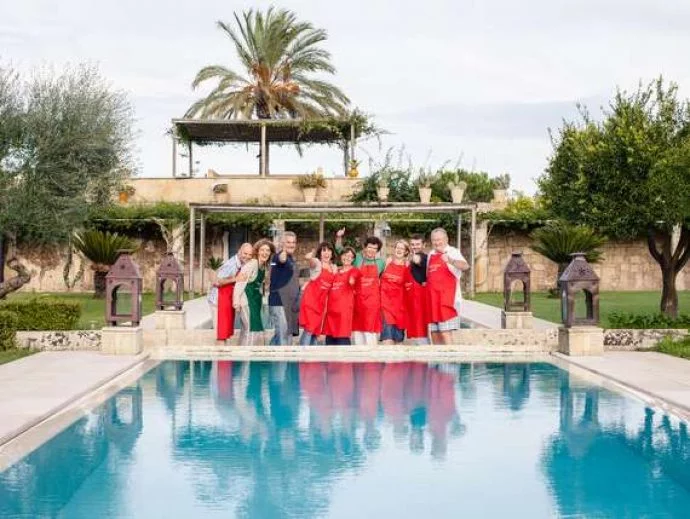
column 353, row 173
column 309, row 194
column 382, row 193
column 456, row 194
column 124, row 197
column 425, row 195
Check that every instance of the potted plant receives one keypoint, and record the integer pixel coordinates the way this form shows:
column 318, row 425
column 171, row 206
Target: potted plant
column 353, row 172
column 309, row 183
column 383, row 186
column 457, row 188
column 501, row 185
column 125, row 193
column 423, row 182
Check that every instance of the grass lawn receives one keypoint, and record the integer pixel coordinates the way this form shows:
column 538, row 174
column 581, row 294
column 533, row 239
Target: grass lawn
column 14, row 354
column 549, row 309
column 92, row 310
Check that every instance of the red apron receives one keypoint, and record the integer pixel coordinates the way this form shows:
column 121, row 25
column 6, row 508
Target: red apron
column 226, row 312
column 393, row 295
column 441, row 285
column 341, row 305
column 417, row 304
column 312, row 309
column 368, row 301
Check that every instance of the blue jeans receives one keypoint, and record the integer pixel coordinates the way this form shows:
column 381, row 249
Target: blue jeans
column 281, row 335
column 308, row 339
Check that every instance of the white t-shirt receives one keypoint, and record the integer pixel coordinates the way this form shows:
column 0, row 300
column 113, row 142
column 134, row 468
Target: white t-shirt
column 454, row 254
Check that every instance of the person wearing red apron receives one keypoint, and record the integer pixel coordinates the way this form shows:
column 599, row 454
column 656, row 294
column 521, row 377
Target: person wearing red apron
column 341, row 301
column 367, row 317
column 312, row 309
column 416, row 297
column 220, row 296
column 393, row 281
column 445, row 265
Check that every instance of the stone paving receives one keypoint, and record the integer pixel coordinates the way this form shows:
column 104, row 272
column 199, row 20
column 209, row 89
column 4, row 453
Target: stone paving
column 660, row 376
column 38, row 386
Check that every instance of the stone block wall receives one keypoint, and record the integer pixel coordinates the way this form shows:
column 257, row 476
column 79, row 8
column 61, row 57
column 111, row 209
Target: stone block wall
column 625, row 265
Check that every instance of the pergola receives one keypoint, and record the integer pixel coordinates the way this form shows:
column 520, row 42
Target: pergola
column 322, row 209
column 264, row 132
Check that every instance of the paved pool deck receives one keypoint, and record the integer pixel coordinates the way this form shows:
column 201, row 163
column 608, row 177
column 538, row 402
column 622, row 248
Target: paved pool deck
column 36, row 387
column 662, row 378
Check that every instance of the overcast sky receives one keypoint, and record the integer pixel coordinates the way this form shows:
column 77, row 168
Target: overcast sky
column 482, row 80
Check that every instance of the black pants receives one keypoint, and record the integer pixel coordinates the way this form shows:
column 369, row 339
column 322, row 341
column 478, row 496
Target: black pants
column 337, row 341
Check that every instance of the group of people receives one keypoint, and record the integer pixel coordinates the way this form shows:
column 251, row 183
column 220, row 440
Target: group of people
column 351, row 297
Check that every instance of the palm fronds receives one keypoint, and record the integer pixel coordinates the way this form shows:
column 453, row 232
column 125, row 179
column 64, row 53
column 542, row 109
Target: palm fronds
column 279, row 55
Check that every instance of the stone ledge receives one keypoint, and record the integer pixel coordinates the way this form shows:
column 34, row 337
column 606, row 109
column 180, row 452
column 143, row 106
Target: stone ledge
column 72, row 340
column 625, row 339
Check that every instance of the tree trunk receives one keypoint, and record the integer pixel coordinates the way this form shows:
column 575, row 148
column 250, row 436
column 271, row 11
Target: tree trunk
column 23, row 275
column 671, row 261
column 669, row 294
column 99, row 284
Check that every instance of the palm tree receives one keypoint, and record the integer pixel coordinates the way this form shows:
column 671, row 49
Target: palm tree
column 557, row 241
column 279, row 55
column 102, row 249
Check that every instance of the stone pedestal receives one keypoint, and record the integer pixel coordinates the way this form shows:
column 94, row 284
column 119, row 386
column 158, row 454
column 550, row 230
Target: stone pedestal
column 169, row 319
column 581, row 340
column 516, row 320
column 122, row 340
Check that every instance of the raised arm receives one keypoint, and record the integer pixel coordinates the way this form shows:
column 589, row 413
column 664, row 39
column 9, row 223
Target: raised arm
column 339, row 240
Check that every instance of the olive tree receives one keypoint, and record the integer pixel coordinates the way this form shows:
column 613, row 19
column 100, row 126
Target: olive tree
column 68, row 146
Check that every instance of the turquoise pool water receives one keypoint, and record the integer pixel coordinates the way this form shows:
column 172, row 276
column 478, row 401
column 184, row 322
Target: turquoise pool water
column 403, row 440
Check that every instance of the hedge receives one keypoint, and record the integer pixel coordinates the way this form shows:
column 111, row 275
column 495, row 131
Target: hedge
column 647, row 321
column 44, row 314
column 8, row 329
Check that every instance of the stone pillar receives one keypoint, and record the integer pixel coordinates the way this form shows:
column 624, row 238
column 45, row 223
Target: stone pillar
column 170, row 319
column 517, row 320
column 280, row 228
column 481, row 261
column 122, row 340
column 581, row 340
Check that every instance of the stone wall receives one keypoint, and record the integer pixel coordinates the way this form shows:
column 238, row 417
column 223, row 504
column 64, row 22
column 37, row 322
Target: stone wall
column 625, row 265
column 240, row 189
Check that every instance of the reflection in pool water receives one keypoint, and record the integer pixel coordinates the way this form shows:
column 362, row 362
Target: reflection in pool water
column 239, row 439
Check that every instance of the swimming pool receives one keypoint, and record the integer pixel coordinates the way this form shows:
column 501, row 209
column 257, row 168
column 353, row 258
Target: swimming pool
column 333, row 439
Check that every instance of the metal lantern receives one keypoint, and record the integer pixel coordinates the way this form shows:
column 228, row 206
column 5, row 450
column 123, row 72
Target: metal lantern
column 579, row 276
column 385, row 229
column 123, row 280
column 516, row 270
column 169, row 271
column 273, row 231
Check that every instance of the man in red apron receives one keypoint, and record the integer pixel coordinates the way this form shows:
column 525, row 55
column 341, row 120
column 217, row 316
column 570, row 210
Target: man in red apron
column 444, row 268
column 220, row 295
column 416, row 298
column 366, row 324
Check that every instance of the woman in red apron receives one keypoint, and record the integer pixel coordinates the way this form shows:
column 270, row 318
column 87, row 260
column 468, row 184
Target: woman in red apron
column 393, row 281
column 341, row 301
column 314, row 300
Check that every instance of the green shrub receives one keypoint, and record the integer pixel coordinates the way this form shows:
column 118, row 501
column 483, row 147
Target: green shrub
column 677, row 348
column 651, row 321
column 43, row 313
column 8, row 329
